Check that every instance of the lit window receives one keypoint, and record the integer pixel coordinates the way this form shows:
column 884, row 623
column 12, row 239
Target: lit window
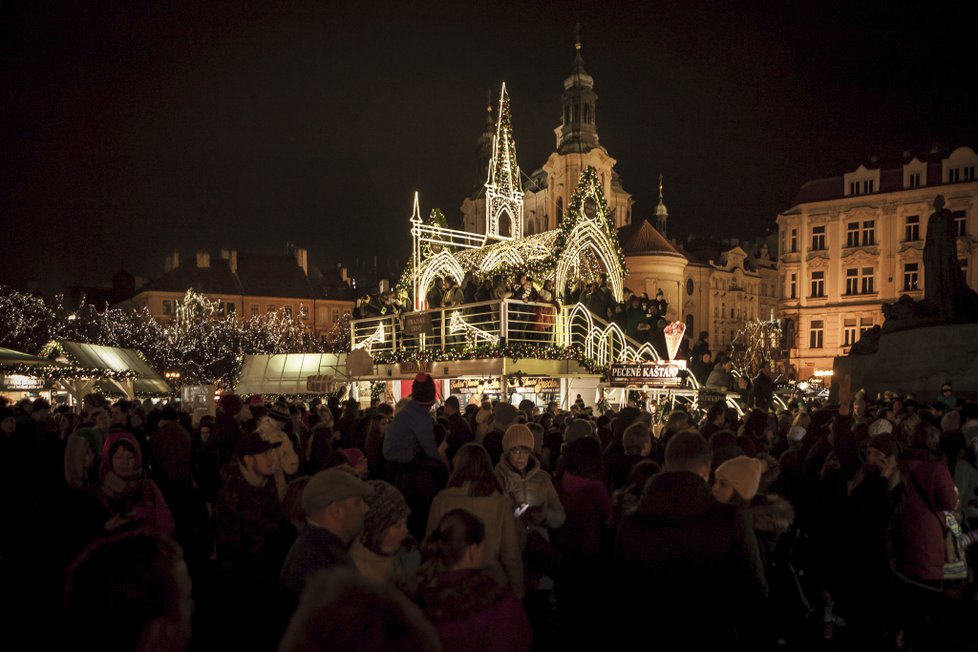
column 852, row 281
column 818, row 284
column 911, row 276
column 816, row 335
column 869, row 233
column 818, row 238
column 849, row 332
column 911, row 228
column 960, row 222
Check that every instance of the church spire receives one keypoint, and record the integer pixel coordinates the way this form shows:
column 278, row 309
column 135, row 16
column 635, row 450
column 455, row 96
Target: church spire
column 485, row 139
column 661, row 213
column 578, row 130
column 504, row 191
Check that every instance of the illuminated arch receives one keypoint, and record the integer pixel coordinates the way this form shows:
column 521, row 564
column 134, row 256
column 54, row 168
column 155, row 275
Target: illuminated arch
column 441, row 264
column 588, row 236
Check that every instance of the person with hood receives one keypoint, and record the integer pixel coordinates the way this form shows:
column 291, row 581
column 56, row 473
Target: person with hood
column 130, row 499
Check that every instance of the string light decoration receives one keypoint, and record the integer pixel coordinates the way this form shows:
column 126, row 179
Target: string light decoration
column 376, row 338
column 504, row 192
column 583, row 247
column 755, row 345
column 473, row 335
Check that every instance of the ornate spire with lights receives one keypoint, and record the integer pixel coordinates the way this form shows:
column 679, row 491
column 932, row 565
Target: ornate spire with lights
column 661, row 213
column 504, row 191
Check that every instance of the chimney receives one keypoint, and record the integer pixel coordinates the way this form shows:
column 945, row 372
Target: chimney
column 203, row 259
column 172, row 261
column 302, row 259
column 231, row 255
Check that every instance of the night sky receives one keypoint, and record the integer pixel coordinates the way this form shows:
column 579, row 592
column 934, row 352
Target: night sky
column 131, row 129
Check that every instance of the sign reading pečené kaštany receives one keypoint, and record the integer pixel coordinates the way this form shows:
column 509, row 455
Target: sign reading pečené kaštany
column 651, row 374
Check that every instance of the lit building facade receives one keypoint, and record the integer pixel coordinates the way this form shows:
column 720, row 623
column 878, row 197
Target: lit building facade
column 247, row 285
column 853, row 242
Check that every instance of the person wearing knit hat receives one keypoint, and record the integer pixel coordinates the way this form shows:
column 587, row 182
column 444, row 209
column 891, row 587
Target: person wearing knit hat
column 385, row 551
column 880, row 426
column 279, row 411
column 503, row 416
column 882, row 453
column 577, row 429
column 423, row 389
column 738, row 478
column 335, row 508
column 518, row 435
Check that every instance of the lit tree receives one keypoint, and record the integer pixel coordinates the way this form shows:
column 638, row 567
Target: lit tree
column 755, row 345
column 26, row 321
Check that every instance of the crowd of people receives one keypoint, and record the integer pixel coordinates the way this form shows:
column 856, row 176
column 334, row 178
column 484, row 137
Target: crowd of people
column 488, row 526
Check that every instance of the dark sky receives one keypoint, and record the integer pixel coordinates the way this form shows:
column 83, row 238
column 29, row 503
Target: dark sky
column 129, row 129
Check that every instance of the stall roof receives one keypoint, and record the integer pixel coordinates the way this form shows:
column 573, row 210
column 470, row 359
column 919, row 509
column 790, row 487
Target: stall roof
column 288, row 373
column 9, row 357
column 96, row 356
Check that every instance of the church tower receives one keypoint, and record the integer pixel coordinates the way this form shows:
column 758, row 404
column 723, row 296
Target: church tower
column 661, row 214
column 504, row 192
column 485, row 139
column 578, row 132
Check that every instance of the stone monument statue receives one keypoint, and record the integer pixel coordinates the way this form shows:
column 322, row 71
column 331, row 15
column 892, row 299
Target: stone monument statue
column 947, row 297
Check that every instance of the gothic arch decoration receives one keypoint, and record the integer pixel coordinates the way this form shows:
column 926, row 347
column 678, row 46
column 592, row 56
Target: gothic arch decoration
column 440, row 265
column 588, row 239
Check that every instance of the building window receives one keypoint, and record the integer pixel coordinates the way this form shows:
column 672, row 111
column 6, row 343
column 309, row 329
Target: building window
column 867, row 280
column 853, row 187
column 849, row 332
column 689, row 286
column 865, row 324
column 288, row 311
column 336, row 315
column 960, row 222
column 169, row 307
column 255, row 309
column 868, row 186
column 852, row 281
column 793, row 286
column 869, row 233
column 269, row 309
column 911, row 277
column 852, row 234
column 914, row 179
column 966, row 173
column 794, row 240
column 303, row 312
column 818, row 284
column 911, row 228
column 229, row 308
column 816, row 335
column 818, row 238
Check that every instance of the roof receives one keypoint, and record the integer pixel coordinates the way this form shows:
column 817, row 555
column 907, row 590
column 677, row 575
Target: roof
column 641, row 238
column 95, row 356
column 256, row 275
column 10, row 357
column 891, row 176
column 288, row 373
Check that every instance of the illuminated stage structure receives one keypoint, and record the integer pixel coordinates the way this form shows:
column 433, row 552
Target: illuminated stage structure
column 508, row 338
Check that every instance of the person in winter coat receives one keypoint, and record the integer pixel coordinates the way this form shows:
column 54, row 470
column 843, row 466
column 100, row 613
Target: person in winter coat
column 470, row 607
column 722, row 377
column 473, row 486
column 131, row 499
column 532, row 492
column 385, row 550
column 683, row 542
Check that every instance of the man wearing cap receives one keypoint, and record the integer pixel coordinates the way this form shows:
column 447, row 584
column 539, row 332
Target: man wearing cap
column 335, row 507
column 251, row 531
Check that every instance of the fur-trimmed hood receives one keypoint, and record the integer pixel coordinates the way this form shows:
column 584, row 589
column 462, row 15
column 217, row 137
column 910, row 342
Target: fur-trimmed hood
column 772, row 514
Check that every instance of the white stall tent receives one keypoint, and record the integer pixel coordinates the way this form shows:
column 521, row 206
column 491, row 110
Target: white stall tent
column 293, row 373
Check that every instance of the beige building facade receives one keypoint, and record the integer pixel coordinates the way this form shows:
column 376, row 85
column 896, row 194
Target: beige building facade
column 853, row 242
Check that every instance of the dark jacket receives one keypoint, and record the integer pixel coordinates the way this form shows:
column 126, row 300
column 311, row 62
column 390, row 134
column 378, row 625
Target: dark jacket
column 686, row 545
column 919, row 536
column 316, row 549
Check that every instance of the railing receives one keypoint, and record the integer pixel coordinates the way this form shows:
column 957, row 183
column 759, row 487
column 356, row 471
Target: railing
column 490, row 322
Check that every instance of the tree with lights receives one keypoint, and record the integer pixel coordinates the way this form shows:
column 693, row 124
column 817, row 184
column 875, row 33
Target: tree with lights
column 755, row 346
